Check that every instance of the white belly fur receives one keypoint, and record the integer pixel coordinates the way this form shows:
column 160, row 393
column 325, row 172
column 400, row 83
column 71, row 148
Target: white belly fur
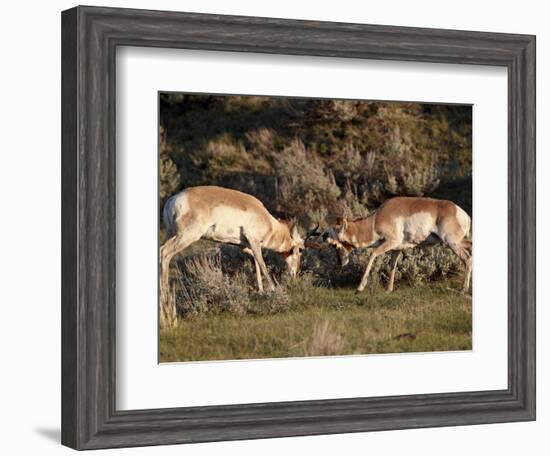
column 227, row 224
column 417, row 227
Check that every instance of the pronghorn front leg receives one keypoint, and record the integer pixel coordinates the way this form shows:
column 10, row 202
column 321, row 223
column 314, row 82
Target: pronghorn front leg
column 386, row 246
column 257, row 252
column 395, row 258
column 258, row 271
column 466, row 258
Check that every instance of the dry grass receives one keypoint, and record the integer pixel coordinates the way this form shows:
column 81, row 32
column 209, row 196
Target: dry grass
column 214, row 310
column 326, row 321
column 324, row 341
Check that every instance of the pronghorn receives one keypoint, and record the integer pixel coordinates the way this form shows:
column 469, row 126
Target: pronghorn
column 230, row 217
column 401, row 223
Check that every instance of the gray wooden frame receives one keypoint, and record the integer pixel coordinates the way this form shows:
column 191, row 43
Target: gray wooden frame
column 90, row 36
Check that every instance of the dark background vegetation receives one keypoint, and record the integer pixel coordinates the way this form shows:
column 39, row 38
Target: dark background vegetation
column 314, row 160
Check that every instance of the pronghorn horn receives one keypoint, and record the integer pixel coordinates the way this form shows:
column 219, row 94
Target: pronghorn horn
column 314, row 244
column 314, row 231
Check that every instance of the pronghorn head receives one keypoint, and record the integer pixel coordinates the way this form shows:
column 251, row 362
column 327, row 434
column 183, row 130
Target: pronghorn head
column 314, row 238
column 335, row 237
column 339, row 239
column 292, row 257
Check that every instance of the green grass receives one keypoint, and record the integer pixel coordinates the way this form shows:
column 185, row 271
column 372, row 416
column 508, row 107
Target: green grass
column 323, row 321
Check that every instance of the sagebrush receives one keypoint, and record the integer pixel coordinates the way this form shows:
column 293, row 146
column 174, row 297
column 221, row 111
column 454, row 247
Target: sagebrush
column 222, row 279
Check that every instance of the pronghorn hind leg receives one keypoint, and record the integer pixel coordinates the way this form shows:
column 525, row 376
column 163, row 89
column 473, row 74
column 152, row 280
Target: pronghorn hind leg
column 467, row 246
column 467, row 276
column 395, row 259
column 257, row 266
column 386, row 246
column 257, row 252
column 170, row 248
column 466, row 258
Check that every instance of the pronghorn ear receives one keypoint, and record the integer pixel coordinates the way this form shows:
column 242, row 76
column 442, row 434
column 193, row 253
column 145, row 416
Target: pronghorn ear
column 294, row 230
column 342, row 221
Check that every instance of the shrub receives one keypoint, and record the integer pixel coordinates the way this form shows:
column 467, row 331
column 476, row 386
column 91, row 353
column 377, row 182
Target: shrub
column 269, row 302
column 168, row 171
column 304, row 183
column 262, row 141
column 416, row 266
column 428, row 264
column 224, row 155
column 205, row 287
column 302, row 289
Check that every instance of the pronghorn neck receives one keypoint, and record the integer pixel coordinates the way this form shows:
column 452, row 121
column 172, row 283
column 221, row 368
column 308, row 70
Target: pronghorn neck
column 279, row 239
column 360, row 233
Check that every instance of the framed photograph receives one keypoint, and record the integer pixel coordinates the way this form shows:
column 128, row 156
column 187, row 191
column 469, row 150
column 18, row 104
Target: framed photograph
column 322, row 164
column 279, row 228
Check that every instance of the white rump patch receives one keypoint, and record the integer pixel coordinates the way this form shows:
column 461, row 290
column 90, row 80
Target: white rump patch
column 182, row 203
column 463, row 219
